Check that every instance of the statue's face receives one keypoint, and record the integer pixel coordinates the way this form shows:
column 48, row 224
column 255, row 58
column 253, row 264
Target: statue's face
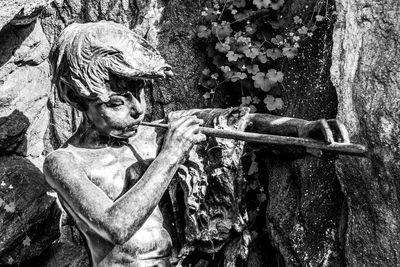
column 122, row 114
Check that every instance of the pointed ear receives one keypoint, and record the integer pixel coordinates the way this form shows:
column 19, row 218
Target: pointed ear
column 68, row 94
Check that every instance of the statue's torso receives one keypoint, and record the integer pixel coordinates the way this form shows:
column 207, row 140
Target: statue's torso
column 115, row 170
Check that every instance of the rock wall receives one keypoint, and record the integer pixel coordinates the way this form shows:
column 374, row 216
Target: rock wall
column 305, row 207
column 366, row 73
column 28, row 215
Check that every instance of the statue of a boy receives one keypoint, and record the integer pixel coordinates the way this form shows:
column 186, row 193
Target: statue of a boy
column 101, row 69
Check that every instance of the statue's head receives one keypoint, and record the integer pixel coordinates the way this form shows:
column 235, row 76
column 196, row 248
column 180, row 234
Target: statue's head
column 102, row 68
column 88, row 55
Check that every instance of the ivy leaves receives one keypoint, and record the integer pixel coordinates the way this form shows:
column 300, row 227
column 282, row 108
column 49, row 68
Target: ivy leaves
column 241, row 55
column 289, row 52
column 8, row 207
column 265, row 81
column 262, row 81
column 203, row 32
column 27, row 242
column 274, row 53
column 247, row 44
column 268, row 3
column 231, row 56
column 273, row 103
column 221, row 30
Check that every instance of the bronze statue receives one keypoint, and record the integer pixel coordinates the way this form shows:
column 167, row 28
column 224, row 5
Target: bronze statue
column 111, row 174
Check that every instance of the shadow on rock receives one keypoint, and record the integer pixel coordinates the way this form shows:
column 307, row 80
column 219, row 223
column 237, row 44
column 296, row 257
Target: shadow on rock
column 11, row 38
column 29, row 217
column 12, row 133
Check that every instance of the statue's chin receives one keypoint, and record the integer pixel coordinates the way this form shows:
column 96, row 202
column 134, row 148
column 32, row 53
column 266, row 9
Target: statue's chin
column 126, row 134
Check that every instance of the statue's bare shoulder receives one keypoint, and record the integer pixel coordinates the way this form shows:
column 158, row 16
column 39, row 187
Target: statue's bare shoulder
column 60, row 165
column 64, row 171
column 72, row 165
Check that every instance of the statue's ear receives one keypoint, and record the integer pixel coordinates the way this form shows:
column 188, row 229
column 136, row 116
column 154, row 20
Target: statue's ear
column 68, row 94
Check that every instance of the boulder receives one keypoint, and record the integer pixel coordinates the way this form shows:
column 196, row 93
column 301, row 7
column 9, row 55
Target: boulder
column 28, row 215
column 20, row 12
column 366, row 73
column 25, row 81
column 12, row 133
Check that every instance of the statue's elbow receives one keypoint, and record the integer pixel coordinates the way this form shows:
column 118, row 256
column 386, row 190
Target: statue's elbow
column 118, row 238
column 119, row 235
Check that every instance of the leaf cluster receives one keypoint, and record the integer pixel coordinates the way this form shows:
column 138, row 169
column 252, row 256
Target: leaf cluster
column 245, row 42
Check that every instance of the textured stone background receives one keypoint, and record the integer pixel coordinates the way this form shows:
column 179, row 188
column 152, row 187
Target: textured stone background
column 366, row 73
column 320, row 212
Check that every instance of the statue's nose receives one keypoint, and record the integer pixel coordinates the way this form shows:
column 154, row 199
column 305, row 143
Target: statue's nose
column 137, row 109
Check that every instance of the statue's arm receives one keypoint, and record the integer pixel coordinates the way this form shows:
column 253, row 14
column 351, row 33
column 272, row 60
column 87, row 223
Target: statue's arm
column 118, row 221
column 328, row 130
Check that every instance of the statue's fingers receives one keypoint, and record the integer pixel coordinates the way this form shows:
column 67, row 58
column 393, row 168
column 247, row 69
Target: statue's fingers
column 175, row 115
column 192, row 125
column 340, row 131
column 186, row 120
column 199, row 138
column 344, row 134
column 191, row 130
column 326, row 131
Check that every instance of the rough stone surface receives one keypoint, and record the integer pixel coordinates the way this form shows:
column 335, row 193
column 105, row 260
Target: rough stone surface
column 28, row 216
column 25, row 81
column 62, row 254
column 20, row 12
column 12, row 133
column 177, row 42
column 366, row 73
column 303, row 213
column 305, row 203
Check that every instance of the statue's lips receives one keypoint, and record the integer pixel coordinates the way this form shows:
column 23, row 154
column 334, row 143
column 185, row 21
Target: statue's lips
column 131, row 128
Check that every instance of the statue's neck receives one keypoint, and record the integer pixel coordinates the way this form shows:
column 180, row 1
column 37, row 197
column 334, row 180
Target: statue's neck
column 88, row 136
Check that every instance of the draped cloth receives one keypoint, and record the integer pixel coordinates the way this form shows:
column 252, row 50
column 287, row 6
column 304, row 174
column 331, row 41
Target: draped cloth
column 212, row 182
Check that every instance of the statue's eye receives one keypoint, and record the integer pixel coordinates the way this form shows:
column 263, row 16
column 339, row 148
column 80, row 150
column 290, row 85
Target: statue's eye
column 114, row 103
column 137, row 84
column 121, row 85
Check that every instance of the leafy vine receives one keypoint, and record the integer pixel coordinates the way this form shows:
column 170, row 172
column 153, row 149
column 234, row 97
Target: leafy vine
column 248, row 44
column 246, row 41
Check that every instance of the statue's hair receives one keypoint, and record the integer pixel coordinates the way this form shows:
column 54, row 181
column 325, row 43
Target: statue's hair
column 86, row 54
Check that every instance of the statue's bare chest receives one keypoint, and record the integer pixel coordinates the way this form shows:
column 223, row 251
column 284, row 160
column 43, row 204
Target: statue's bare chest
column 111, row 169
column 116, row 169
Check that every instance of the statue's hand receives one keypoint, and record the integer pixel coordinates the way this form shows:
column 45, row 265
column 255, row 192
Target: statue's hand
column 181, row 135
column 328, row 130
